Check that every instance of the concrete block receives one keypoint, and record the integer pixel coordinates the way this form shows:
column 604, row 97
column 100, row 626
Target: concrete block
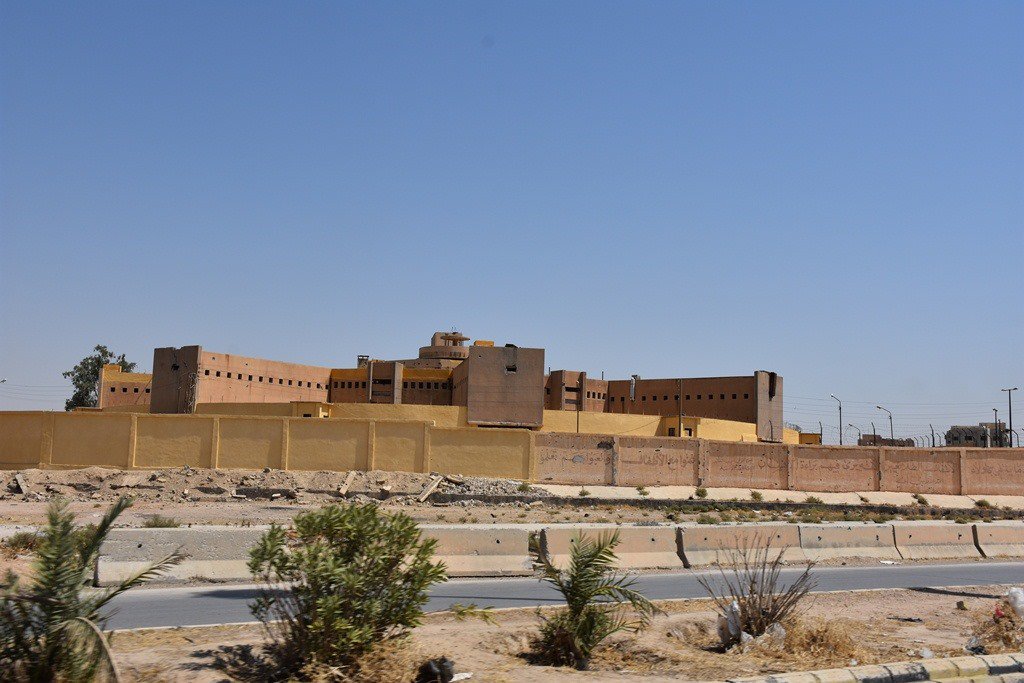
column 872, row 674
column 906, row 672
column 831, row 541
column 704, row 545
column 482, row 551
column 212, row 552
column 1000, row 539
column 639, row 547
column 934, row 540
column 1002, row 664
column 940, row 669
column 969, row 666
column 835, row 676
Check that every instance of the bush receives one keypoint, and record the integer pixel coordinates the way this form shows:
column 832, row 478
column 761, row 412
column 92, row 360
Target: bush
column 705, row 518
column 701, row 492
column 584, row 492
column 593, row 591
column 982, row 503
column 814, row 500
column 920, row 500
column 756, row 496
column 21, row 542
column 524, row 487
column 346, row 580
column 642, row 491
column 50, row 629
column 753, row 585
column 161, row 522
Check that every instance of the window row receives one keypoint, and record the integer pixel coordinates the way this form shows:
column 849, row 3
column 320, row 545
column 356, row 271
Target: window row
column 710, row 397
column 124, row 390
column 270, row 380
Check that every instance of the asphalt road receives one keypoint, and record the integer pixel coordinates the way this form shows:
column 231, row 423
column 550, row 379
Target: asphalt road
column 218, row 604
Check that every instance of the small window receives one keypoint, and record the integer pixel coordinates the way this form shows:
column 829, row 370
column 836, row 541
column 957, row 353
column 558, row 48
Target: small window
column 746, row 395
column 687, row 397
column 677, row 397
column 622, row 399
column 644, row 399
column 734, row 397
column 689, row 432
column 113, row 389
column 671, row 431
column 218, row 373
column 307, row 415
column 421, row 385
column 250, row 378
column 206, row 372
column 310, row 384
column 510, row 369
column 289, row 382
column 281, row 381
column 363, row 385
column 124, row 390
column 135, row 390
column 547, row 390
column 665, row 398
column 654, row 398
column 147, row 391
column 698, row 397
column 721, row 396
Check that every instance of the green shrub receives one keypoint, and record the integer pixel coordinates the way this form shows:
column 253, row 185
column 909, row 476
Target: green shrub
column 642, row 490
column 594, row 594
column 707, row 519
column 584, row 492
column 921, row 500
column 814, row 500
column 524, row 487
column 346, row 580
column 22, row 542
column 50, row 630
column 701, row 492
column 756, row 496
column 982, row 503
column 161, row 522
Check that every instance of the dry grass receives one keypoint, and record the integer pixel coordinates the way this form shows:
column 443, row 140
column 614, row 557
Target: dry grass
column 396, row 660
column 998, row 628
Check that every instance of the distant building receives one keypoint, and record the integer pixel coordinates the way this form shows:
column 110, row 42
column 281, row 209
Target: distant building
column 982, row 435
column 499, row 386
column 876, row 440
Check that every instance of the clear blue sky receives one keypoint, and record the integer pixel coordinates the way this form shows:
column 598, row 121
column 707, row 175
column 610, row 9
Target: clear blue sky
column 831, row 190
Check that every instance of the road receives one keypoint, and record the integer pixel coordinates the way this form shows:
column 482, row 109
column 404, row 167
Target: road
column 218, row 604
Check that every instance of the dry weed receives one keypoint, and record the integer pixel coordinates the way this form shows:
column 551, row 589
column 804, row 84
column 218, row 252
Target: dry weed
column 998, row 628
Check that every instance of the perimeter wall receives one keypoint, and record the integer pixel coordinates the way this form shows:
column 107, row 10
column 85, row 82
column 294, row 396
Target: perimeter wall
column 146, row 441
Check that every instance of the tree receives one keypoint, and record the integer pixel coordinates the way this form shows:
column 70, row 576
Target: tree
column 50, row 628
column 85, row 376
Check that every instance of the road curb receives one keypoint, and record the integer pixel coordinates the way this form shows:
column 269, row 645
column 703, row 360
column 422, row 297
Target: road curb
column 939, row 669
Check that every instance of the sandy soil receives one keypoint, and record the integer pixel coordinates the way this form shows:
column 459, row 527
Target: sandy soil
column 679, row 645
column 246, row 497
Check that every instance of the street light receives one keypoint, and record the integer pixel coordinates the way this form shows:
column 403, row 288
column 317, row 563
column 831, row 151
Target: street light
column 892, row 437
column 860, row 434
column 840, row 418
column 1009, row 400
column 995, row 428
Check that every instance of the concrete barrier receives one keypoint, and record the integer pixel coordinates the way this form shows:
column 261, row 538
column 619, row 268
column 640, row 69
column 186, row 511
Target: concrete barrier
column 1000, row 539
column 475, row 551
column 217, row 553
column 835, row 541
column 935, row 541
column 639, row 547
column 706, row 545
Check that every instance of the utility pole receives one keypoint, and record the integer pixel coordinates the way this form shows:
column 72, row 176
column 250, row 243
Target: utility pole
column 998, row 441
column 679, row 400
column 892, row 436
column 579, row 400
column 874, row 435
column 933, row 435
column 840, row 418
column 821, row 433
column 1009, row 400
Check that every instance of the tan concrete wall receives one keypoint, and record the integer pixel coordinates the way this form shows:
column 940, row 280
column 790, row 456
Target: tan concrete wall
column 756, row 466
column 482, row 452
column 658, row 461
column 81, row 439
column 994, row 471
column 574, row 458
column 921, row 470
column 835, row 469
column 21, row 438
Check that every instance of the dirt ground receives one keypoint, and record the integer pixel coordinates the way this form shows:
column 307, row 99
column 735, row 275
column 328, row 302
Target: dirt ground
column 875, row 627
column 247, row 497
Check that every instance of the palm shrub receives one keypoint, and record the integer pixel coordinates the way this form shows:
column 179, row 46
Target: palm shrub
column 594, row 595
column 50, row 629
column 345, row 580
column 751, row 591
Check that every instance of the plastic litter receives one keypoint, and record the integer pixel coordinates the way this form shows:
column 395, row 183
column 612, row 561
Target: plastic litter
column 730, row 631
column 1015, row 596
